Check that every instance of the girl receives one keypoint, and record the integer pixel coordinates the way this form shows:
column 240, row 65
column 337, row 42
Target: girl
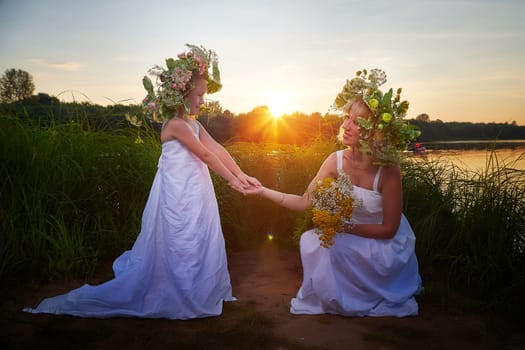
column 177, row 267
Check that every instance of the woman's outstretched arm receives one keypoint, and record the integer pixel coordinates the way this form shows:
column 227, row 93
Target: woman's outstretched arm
column 293, row 201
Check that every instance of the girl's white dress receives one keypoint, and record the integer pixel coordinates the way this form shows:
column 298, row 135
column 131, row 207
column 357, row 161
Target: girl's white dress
column 177, row 267
column 360, row 276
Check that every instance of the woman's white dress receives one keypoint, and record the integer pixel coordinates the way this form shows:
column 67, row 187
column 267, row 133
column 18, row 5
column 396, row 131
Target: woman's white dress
column 177, row 267
column 360, row 276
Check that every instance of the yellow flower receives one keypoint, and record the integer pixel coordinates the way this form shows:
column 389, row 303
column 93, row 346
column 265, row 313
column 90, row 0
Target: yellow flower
column 373, row 103
column 333, row 204
column 387, row 117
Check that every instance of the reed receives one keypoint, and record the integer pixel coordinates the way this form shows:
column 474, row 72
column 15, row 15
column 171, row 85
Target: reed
column 68, row 193
column 470, row 227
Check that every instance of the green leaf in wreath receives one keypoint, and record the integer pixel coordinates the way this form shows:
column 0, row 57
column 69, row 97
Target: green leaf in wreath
column 148, row 85
column 170, row 63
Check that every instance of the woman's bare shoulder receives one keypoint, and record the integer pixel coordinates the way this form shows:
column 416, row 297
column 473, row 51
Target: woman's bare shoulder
column 391, row 172
column 331, row 160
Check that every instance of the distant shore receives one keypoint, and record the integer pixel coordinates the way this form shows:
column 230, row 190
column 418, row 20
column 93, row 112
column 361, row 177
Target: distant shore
column 475, row 144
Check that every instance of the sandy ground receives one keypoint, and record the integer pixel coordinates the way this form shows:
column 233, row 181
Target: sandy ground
column 264, row 280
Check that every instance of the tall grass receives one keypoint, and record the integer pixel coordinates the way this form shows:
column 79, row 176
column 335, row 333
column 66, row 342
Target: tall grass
column 67, row 194
column 470, row 227
column 71, row 195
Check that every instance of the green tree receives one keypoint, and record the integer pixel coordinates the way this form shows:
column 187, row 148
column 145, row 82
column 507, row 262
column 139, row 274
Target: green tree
column 15, row 85
column 423, row 117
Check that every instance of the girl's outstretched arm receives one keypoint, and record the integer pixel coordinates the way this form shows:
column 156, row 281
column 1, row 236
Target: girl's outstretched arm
column 226, row 158
column 180, row 130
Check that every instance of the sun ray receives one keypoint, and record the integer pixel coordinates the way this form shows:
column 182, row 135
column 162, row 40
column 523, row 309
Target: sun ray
column 279, row 103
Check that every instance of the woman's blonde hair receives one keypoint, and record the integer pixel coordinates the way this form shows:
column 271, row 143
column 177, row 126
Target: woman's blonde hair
column 362, row 109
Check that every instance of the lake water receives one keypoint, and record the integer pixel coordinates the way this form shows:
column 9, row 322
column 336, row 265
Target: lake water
column 473, row 155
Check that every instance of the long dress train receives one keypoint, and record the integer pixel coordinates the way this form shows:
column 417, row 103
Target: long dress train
column 177, row 267
column 360, row 276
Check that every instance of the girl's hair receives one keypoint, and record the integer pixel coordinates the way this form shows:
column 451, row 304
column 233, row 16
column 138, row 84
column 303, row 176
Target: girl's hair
column 166, row 95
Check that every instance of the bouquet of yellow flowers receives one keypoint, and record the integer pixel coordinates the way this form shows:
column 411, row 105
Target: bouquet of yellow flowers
column 333, row 203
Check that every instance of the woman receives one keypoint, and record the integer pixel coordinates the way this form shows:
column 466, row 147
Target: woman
column 371, row 269
column 177, row 268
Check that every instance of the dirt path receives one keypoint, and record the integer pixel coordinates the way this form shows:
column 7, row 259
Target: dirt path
column 273, row 278
column 264, row 281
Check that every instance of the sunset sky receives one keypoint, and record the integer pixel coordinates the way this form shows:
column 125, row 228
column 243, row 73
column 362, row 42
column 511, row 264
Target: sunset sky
column 455, row 60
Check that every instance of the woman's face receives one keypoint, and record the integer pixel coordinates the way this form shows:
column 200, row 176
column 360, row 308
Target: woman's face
column 350, row 135
column 196, row 96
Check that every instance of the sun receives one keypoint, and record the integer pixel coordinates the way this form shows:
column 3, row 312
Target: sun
column 278, row 103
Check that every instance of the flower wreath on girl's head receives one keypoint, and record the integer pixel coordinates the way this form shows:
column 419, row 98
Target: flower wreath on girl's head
column 384, row 135
column 173, row 83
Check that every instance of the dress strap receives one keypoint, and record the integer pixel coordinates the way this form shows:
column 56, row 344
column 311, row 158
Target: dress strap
column 339, row 161
column 197, row 129
column 376, row 179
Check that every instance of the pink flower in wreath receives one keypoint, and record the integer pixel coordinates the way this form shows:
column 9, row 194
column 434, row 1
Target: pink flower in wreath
column 202, row 66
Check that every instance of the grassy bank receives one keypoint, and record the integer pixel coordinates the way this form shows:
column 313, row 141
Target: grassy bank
column 68, row 193
column 71, row 196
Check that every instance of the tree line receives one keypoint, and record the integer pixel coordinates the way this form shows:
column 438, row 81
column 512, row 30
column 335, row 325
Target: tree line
column 453, row 131
column 258, row 125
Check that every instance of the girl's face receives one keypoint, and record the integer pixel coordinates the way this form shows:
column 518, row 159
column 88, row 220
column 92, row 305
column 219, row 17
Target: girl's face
column 196, row 96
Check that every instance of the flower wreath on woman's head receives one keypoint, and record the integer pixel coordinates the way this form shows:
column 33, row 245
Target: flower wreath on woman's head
column 385, row 134
column 168, row 95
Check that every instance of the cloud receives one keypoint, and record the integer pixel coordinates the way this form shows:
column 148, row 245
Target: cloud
column 67, row 66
